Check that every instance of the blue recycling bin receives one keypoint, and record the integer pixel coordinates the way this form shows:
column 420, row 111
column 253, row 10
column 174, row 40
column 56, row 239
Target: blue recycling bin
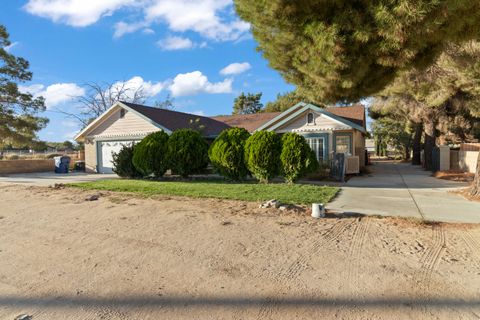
column 62, row 164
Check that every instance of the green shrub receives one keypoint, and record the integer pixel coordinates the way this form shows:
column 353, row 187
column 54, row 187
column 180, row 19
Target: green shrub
column 187, row 152
column 262, row 155
column 150, row 156
column 123, row 164
column 297, row 158
column 227, row 153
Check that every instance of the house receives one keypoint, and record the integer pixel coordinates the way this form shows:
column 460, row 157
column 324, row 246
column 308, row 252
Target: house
column 327, row 130
column 126, row 123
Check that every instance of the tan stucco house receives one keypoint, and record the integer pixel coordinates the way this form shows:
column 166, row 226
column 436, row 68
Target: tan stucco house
column 327, row 130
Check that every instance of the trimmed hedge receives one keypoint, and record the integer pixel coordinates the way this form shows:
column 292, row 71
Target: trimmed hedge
column 297, row 158
column 123, row 164
column 262, row 155
column 150, row 156
column 187, row 152
column 227, row 153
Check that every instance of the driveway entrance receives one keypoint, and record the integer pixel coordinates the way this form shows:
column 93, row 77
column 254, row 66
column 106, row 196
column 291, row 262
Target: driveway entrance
column 400, row 189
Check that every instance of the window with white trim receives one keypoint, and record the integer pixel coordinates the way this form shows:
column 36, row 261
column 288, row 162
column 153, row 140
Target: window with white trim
column 343, row 144
column 317, row 145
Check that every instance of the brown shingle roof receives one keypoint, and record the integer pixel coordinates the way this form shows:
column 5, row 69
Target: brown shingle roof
column 354, row 113
column 174, row 120
column 248, row 121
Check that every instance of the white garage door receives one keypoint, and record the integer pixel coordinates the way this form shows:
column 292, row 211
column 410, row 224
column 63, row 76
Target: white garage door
column 106, row 150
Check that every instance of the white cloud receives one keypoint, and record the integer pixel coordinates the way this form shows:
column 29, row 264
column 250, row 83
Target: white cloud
column 212, row 19
column 201, row 16
column 148, row 31
column 235, row 68
column 192, row 83
column 172, row 43
column 175, row 43
column 150, row 89
column 10, row 47
column 55, row 94
column 77, row 13
column 122, row 28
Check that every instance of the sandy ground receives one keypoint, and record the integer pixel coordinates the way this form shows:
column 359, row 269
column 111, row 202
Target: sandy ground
column 120, row 257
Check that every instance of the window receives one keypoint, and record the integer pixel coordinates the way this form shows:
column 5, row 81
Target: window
column 343, row 143
column 122, row 113
column 310, row 119
column 317, row 145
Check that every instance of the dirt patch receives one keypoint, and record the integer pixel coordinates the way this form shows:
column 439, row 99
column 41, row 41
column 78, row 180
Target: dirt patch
column 452, row 175
column 127, row 257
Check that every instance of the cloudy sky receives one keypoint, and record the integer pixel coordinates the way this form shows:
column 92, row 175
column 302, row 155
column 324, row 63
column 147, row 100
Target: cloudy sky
column 198, row 51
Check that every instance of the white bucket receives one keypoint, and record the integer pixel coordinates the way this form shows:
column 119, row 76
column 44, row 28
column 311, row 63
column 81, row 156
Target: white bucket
column 318, row 210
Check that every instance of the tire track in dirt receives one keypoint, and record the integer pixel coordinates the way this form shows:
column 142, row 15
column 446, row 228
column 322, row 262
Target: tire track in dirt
column 355, row 253
column 432, row 257
column 301, row 263
column 472, row 244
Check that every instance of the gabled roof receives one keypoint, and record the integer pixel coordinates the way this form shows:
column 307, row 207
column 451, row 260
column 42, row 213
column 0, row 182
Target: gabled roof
column 174, row 120
column 301, row 107
column 250, row 122
column 354, row 114
column 166, row 120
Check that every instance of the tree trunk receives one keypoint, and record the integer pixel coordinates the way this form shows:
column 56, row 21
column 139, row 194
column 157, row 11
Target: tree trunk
column 475, row 190
column 407, row 153
column 429, row 129
column 417, row 145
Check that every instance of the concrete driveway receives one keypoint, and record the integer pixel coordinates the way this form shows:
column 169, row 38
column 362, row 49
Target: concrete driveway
column 50, row 178
column 400, row 189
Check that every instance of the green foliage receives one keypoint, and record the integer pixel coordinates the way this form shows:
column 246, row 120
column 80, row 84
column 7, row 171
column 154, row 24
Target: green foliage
column 285, row 101
column 187, row 152
column 390, row 132
column 294, row 194
column 345, row 50
column 123, row 164
column 19, row 122
column 227, row 153
column 297, row 158
column 150, row 155
column 247, row 104
column 262, row 155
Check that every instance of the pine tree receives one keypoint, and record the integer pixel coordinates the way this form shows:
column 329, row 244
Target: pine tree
column 19, row 120
column 348, row 49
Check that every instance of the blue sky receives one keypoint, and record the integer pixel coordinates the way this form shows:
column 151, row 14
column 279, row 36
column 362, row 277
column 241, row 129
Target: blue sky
column 197, row 51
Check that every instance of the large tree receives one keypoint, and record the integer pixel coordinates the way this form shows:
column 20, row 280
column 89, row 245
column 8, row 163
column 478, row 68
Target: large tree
column 19, row 120
column 247, row 103
column 348, row 49
column 446, row 96
column 285, row 101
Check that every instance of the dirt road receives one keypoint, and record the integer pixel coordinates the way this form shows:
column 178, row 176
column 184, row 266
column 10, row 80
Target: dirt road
column 120, row 257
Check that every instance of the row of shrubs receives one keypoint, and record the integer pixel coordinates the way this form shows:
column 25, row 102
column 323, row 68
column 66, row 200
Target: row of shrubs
column 29, row 157
column 235, row 154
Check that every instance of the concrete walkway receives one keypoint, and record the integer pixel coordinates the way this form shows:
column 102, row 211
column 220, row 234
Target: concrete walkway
column 50, row 178
column 400, row 189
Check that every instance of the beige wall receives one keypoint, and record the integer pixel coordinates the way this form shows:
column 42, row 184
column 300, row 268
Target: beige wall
column 463, row 160
column 128, row 125
column 26, row 166
column 321, row 123
column 90, row 156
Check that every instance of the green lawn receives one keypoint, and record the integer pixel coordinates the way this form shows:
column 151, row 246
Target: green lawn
column 292, row 194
